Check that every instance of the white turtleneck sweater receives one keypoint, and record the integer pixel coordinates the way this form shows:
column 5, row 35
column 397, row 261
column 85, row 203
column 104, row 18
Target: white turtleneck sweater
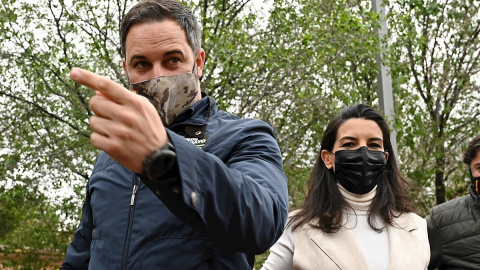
column 374, row 245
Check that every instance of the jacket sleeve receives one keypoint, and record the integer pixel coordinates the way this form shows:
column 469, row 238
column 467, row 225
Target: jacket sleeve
column 435, row 245
column 238, row 200
column 281, row 254
column 78, row 253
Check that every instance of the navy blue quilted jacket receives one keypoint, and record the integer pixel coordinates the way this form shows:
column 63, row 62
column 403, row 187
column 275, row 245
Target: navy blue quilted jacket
column 226, row 201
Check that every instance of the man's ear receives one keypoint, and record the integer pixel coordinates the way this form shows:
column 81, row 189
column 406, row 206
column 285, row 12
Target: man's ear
column 200, row 62
column 328, row 159
column 124, row 64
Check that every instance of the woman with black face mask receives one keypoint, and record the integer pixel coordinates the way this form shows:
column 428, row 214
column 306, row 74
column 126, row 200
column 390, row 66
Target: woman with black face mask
column 356, row 214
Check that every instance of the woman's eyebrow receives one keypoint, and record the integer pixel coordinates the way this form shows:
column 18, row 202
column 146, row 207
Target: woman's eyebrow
column 347, row 138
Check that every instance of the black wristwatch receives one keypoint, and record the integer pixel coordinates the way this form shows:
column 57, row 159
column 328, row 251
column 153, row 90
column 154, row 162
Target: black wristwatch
column 159, row 163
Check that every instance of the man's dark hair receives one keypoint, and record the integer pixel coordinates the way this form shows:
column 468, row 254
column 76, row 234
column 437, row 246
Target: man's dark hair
column 471, row 151
column 324, row 205
column 152, row 11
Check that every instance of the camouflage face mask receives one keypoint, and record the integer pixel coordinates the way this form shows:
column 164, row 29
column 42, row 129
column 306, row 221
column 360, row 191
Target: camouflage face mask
column 171, row 95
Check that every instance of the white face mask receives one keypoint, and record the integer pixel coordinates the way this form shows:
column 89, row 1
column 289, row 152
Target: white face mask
column 171, row 95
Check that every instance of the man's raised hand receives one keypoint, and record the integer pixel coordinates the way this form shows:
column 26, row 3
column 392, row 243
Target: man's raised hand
column 126, row 126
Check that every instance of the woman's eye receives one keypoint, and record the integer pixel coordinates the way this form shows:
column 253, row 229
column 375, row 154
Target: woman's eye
column 375, row 145
column 348, row 144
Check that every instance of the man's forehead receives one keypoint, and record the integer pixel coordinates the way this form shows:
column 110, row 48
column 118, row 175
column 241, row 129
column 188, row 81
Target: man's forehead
column 476, row 159
column 165, row 37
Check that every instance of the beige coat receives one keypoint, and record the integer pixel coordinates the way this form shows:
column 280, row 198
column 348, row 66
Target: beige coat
column 409, row 248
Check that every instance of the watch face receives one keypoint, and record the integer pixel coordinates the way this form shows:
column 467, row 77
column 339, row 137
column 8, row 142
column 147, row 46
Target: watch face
column 161, row 162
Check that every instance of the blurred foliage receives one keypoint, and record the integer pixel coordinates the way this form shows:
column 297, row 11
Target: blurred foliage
column 30, row 236
column 433, row 54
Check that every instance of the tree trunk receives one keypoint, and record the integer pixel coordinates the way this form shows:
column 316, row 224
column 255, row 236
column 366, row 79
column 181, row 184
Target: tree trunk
column 439, row 183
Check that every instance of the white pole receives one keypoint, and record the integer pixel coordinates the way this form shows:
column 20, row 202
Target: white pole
column 384, row 79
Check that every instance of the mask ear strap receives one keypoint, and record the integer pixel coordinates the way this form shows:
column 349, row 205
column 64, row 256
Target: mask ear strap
column 128, row 79
column 194, row 66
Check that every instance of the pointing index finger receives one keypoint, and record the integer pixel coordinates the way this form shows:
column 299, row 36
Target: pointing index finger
column 107, row 87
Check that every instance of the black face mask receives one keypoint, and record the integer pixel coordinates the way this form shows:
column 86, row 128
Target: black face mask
column 474, row 190
column 359, row 170
column 475, row 183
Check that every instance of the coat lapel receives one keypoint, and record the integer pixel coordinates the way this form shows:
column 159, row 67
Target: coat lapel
column 405, row 247
column 337, row 245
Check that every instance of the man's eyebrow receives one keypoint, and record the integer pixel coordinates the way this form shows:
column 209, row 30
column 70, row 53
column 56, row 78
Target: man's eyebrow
column 137, row 56
column 142, row 57
column 174, row 52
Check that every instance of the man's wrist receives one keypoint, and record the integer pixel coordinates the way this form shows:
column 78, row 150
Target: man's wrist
column 159, row 163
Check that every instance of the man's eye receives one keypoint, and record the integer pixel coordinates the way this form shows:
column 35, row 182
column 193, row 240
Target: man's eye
column 141, row 64
column 173, row 61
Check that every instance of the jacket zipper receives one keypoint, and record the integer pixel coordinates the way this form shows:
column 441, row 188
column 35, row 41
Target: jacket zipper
column 130, row 221
column 210, row 265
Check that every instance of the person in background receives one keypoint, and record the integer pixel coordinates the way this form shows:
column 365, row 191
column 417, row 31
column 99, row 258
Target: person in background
column 454, row 226
column 180, row 184
column 356, row 214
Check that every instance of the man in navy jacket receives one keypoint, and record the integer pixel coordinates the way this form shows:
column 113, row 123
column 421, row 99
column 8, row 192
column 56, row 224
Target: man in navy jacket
column 179, row 184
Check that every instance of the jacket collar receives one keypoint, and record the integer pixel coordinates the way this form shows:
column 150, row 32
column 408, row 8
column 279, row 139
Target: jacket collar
column 192, row 122
column 474, row 198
